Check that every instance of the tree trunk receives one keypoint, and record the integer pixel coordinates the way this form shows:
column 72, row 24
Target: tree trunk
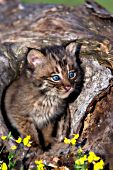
column 35, row 26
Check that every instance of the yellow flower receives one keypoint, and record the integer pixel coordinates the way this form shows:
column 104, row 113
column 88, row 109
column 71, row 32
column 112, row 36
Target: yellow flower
column 29, row 144
column 76, row 136
column 4, row 166
column 92, row 157
column 99, row 165
column 73, row 141
column 26, row 141
column 28, row 137
column 67, row 141
column 81, row 160
column 19, row 140
column 14, row 147
column 38, row 162
column 40, row 165
column 3, row 137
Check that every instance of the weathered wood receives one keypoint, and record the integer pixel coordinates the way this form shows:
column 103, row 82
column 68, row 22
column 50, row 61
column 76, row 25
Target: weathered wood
column 34, row 26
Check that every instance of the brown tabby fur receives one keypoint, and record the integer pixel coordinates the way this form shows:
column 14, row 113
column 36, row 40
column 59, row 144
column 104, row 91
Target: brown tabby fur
column 35, row 104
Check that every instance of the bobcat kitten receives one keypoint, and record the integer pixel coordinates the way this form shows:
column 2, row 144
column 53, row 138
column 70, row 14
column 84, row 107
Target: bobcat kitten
column 36, row 102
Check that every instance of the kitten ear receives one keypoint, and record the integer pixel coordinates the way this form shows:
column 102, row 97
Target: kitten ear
column 71, row 48
column 35, row 57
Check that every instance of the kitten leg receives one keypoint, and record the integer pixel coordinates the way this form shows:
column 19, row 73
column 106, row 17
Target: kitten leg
column 64, row 126
column 25, row 126
column 47, row 134
column 67, row 124
column 60, row 129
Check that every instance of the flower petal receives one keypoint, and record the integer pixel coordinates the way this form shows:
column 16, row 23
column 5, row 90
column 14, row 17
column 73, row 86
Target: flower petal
column 3, row 137
column 4, row 166
column 19, row 140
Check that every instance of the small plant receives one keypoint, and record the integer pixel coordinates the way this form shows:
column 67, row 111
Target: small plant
column 39, row 165
column 15, row 151
column 83, row 161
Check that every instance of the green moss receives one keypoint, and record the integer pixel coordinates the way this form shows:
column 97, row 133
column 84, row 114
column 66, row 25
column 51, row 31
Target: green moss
column 107, row 4
column 66, row 2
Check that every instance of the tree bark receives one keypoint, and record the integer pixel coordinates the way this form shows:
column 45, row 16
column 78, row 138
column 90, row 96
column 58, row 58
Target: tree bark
column 34, row 26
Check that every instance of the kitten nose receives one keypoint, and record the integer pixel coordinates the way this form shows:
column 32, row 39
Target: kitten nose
column 67, row 88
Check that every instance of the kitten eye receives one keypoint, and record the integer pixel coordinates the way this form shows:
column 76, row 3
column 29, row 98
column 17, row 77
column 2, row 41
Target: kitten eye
column 55, row 77
column 71, row 74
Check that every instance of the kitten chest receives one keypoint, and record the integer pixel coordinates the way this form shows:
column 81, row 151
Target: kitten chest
column 46, row 110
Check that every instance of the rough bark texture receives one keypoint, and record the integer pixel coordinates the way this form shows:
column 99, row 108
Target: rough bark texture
column 33, row 26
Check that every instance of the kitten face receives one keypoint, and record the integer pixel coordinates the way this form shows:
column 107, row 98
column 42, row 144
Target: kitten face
column 55, row 70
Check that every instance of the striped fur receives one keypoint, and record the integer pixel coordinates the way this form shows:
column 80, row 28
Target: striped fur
column 34, row 100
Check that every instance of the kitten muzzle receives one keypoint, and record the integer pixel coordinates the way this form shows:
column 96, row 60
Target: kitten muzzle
column 67, row 88
column 67, row 92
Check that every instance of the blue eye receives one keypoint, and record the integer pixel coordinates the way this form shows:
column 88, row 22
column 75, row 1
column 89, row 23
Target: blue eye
column 71, row 74
column 55, row 77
